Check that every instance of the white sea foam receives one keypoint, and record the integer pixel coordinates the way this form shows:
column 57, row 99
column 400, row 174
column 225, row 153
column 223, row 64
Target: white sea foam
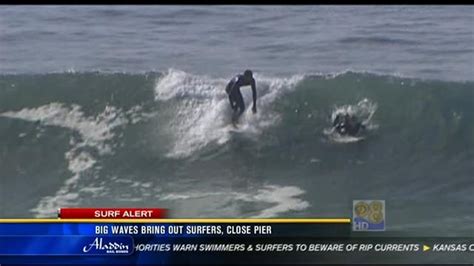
column 94, row 131
column 284, row 199
column 281, row 199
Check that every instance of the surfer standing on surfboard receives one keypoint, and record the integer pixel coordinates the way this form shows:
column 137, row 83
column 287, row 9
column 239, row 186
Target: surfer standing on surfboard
column 235, row 96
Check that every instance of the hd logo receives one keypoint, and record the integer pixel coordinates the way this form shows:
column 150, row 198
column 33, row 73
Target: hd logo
column 368, row 215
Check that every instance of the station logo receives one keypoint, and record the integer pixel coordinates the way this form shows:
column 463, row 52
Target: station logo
column 101, row 246
column 368, row 215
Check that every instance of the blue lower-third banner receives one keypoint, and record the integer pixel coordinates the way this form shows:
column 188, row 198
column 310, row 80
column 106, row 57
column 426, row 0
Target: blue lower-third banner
column 48, row 245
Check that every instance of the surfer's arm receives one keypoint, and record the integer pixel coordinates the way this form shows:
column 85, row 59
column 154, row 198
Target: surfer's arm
column 229, row 87
column 254, row 95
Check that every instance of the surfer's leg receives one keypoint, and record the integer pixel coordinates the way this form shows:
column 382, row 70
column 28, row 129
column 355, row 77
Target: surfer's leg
column 234, row 106
column 233, row 102
column 240, row 103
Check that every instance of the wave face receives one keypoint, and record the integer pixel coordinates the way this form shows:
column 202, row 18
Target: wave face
column 164, row 139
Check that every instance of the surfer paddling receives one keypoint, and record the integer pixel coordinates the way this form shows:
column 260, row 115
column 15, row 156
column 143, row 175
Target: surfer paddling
column 346, row 124
column 235, row 96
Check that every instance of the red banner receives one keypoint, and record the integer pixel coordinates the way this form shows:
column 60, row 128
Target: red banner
column 111, row 213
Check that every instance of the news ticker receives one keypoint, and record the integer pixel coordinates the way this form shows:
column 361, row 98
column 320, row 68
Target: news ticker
column 223, row 241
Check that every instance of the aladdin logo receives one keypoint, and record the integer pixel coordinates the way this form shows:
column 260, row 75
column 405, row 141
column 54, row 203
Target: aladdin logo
column 110, row 247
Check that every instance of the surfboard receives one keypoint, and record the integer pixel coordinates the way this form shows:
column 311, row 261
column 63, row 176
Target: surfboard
column 234, row 127
column 334, row 136
column 235, row 124
column 234, row 121
column 347, row 139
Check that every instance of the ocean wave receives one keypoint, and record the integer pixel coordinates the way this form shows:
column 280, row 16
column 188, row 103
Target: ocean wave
column 166, row 138
column 95, row 132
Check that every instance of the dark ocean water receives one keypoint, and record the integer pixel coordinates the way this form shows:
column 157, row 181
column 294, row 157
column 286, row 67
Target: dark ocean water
column 420, row 41
column 125, row 106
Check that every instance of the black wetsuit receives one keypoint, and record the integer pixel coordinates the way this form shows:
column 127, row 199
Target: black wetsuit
column 235, row 96
column 347, row 125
